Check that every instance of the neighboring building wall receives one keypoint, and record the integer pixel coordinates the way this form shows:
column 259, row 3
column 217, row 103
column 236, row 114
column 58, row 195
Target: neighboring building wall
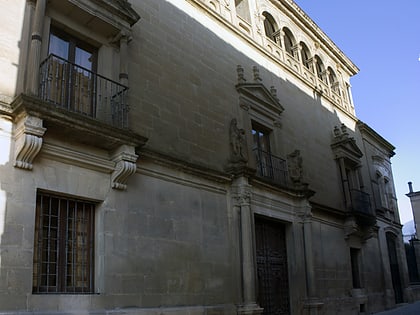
column 239, row 153
column 415, row 206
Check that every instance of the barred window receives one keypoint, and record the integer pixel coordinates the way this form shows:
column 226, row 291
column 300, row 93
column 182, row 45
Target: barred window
column 63, row 249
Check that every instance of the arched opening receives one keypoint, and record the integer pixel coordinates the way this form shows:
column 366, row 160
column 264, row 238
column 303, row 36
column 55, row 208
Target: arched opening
column 289, row 41
column 319, row 68
column 305, row 55
column 331, row 76
column 270, row 26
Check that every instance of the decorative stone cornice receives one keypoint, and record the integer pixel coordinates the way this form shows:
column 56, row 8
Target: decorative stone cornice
column 367, row 131
column 125, row 160
column 256, row 96
column 298, row 15
column 345, row 146
column 28, row 140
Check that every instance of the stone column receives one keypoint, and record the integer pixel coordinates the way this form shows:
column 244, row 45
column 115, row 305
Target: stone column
column 312, row 304
column 310, row 62
column 296, row 51
column 242, row 201
column 226, row 9
column 318, row 76
column 123, row 59
column 280, row 38
column 35, row 49
column 389, row 296
column 326, row 75
column 348, row 91
column 253, row 19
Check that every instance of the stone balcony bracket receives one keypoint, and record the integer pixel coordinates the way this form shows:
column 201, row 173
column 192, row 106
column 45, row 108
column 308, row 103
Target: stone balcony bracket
column 28, row 140
column 125, row 160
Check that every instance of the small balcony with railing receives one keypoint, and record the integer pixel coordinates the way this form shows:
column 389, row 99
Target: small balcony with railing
column 79, row 90
column 361, row 207
column 79, row 105
column 271, row 167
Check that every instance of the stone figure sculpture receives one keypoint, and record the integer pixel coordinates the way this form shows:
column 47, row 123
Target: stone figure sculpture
column 238, row 146
column 294, row 161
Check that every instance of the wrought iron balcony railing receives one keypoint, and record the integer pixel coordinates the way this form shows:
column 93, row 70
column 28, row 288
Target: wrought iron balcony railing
column 82, row 91
column 271, row 167
column 361, row 207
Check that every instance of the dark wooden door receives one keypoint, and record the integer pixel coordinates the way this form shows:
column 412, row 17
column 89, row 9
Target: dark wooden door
column 395, row 271
column 272, row 271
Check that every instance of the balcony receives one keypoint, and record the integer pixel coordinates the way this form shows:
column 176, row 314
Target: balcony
column 361, row 207
column 78, row 105
column 271, row 167
column 79, row 90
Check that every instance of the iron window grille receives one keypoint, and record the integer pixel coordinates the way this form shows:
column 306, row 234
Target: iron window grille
column 63, row 245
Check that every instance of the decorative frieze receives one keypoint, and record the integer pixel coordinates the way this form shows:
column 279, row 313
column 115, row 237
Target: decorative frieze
column 28, row 141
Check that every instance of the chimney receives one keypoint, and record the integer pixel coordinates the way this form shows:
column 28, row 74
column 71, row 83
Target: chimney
column 410, row 187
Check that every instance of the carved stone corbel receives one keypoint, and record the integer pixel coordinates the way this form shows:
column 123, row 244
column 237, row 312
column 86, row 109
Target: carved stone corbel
column 125, row 160
column 28, row 141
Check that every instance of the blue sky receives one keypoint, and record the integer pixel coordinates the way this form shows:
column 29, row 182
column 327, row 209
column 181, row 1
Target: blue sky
column 383, row 39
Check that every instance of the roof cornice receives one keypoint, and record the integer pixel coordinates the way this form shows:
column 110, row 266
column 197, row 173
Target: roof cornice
column 366, row 130
column 317, row 31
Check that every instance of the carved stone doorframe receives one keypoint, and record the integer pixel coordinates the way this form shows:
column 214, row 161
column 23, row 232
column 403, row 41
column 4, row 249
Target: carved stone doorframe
column 241, row 193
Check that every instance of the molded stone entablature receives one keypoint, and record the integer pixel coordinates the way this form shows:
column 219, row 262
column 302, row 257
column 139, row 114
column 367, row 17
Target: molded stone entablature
column 108, row 17
column 383, row 146
column 254, row 96
column 345, row 146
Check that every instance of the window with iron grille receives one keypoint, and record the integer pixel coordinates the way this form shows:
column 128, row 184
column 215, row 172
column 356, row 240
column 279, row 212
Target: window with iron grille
column 63, row 247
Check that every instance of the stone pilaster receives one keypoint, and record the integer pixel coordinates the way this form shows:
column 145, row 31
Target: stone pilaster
column 242, row 202
column 124, row 59
column 125, row 160
column 35, row 49
column 312, row 304
column 28, row 141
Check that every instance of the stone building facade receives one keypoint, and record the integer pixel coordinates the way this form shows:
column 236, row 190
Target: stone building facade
column 188, row 157
column 415, row 207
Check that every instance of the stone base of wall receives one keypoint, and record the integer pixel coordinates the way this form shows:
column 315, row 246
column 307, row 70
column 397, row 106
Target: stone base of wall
column 185, row 310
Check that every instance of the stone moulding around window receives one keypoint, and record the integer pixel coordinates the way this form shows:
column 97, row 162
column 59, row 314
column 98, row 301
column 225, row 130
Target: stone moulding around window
column 117, row 13
column 256, row 98
column 344, row 146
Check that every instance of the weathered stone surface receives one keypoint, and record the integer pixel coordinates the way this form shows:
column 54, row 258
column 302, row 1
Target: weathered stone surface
column 176, row 235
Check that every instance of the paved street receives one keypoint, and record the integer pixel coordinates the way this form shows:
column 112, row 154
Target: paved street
column 406, row 309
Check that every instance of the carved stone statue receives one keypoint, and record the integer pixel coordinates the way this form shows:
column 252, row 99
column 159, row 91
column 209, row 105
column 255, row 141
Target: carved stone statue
column 238, row 146
column 294, row 162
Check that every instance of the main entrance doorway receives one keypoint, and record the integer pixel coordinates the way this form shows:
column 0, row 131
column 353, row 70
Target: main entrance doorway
column 395, row 272
column 272, row 271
